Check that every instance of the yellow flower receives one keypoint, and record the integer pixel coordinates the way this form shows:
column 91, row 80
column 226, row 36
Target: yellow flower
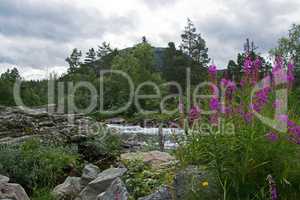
column 204, row 184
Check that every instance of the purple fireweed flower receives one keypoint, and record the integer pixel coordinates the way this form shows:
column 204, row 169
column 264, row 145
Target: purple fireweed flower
column 242, row 83
column 277, row 104
column 261, row 98
column 290, row 73
column 229, row 87
column 257, row 62
column 283, row 118
column 214, row 103
column 272, row 137
column 291, row 123
column 272, row 188
column 194, row 113
column 224, row 82
column 212, row 70
column 248, row 117
column 256, row 65
column 278, row 62
column 247, row 65
column 214, row 119
column 295, row 130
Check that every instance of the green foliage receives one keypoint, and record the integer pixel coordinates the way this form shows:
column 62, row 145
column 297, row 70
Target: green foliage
column 74, row 60
column 194, row 45
column 90, row 56
column 243, row 160
column 35, row 165
column 42, row 194
column 141, row 180
column 104, row 149
column 176, row 65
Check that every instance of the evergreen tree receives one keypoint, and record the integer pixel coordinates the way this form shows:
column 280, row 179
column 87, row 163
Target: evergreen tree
column 11, row 75
column 74, row 59
column 176, row 64
column 90, row 56
column 144, row 39
column 194, row 45
column 104, row 50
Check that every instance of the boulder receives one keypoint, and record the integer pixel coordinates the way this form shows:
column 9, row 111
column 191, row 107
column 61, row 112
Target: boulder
column 4, row 179
column 12, row 191
column 101, row 183
column 156, row 159
column 68, row 190
column 117, row 190
column 89, row 173
column 162, row 194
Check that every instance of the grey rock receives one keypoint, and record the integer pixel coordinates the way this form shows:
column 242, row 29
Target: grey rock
column 116, row 120
column 17, row 123
column 117, row 190
column 89, row 173
column 155, row 159
column 101, row 183
column 70, row 189
column 162, row 194
column 12, row 191
column 4, row 179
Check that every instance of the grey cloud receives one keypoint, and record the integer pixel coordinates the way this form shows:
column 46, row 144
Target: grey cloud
column 261, row 21
column 40, row 33
column 56, row 21
column 155, row 4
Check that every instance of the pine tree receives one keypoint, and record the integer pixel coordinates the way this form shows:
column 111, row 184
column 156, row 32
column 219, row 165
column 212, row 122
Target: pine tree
column 144, row 39
column 194, row 45
column 74, row 59
column 90, row 56
column 104, row 50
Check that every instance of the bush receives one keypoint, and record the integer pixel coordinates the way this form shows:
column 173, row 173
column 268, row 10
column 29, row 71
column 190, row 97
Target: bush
column 36, row 165
column 102, row 150
column 141, row 180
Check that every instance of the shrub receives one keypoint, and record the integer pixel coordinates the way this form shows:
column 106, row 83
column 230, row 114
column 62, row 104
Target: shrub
column 103, row 150
column 36, row 165
column 141, row 180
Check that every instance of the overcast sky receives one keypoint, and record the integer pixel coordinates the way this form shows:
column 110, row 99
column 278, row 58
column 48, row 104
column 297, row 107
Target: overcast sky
column 37, row 35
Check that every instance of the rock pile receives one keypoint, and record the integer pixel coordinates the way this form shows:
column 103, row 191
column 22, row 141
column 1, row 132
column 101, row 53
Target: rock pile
column 93, row 184
column 17, row 125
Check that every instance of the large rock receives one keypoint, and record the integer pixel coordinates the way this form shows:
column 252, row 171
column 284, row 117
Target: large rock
column 12, row 192
column 101, row 183
column 205, row 184
column 70, row 189
column 89, row 173
column 3, row 179
column 162, row 194
column 156, row 159
column 117, row 190
column 17, row 125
